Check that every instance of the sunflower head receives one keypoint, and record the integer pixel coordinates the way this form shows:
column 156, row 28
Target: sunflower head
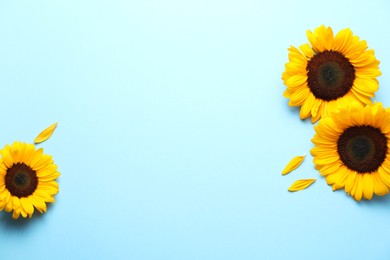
column 330, row 72
column 27, row 179
column 352, row 150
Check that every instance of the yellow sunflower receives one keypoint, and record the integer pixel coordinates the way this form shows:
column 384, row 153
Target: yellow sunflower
column 330, row 72
column 27, row 179
column 352, row 150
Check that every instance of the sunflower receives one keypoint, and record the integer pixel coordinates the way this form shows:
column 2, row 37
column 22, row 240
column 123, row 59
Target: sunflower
column 352, row 150
column 27, row 179
column 330, row 72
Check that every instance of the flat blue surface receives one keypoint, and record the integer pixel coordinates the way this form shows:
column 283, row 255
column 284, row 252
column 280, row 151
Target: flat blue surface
column 173, row 130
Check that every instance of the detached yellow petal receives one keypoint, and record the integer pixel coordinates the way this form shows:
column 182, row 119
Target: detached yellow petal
column 293, row 164
column 301, row 184
column 45, row 134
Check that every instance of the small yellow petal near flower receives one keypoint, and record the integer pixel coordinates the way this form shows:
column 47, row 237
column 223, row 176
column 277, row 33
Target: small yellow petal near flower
column 293, row 164
column 45, row 134
column 301, row 184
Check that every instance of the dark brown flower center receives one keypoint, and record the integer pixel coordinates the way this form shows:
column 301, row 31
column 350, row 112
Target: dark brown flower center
column 330, row 75
column 21, row 180
column 362, row 148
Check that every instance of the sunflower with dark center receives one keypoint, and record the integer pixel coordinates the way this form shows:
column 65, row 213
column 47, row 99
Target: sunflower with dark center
column 352, row 150
column 27, row 179
column 330, row 72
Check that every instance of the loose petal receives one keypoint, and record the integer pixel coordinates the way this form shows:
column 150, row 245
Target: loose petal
column 293, row 164
column 45, row 134
column 301, row 184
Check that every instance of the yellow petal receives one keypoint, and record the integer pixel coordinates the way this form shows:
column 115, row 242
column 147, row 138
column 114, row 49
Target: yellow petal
column 301, row 184
column 50, row 188
column 39, row 204
column 17, row 208
column 343, row 39
column 43, row 195
column 316, row 106
column 7, row 156
column 307, row 106
column 299, row 96
column 350, row 183
column 368, row 186
column 44, row 162
column 380, row 188
column 8, row 207
column 49, row 171
column 45, row 134
column 307, row 50
column 16, row 213
column 343, row 178
column 4, row 201
column 293, row 164
column 27, row 206
column 358, row 194
column 296, row 81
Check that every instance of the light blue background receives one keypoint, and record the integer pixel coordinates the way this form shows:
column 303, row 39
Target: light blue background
column 173, row 130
